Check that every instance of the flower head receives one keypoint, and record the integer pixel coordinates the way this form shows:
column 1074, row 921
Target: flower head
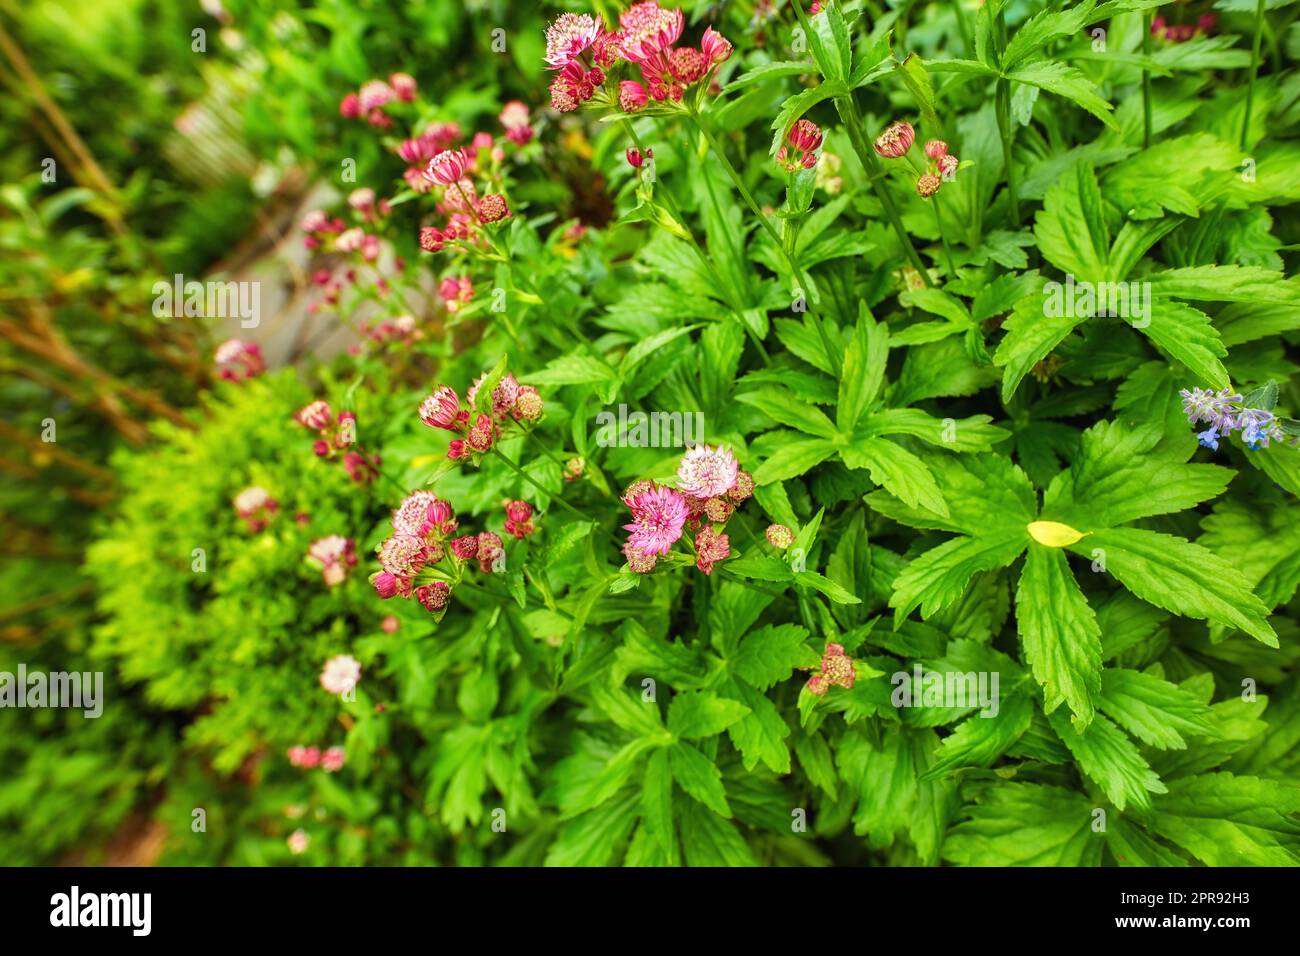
column 896, row 140
column 715, row 47
column 341, row 674
column 779, row 536
column 403, row 555
column 447, row 167
column 493, row 208
column 568, row 37
column 528, row 406
column 434, row 597
column 936, row 148
column 489, row 550
column 646, row 28
column 316, row 416
column 332, row 760
column 441, row 409
column 927, row 185
column 706, row 472
column 658, row 515
column 631, row 96
column 519, row 518
column 710, row 548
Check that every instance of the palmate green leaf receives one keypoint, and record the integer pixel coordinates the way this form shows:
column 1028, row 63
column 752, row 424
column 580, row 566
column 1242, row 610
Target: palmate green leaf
column 1111, row 759
column 936, row 800
column 1059, row 632
column 702, row 714
column 1227, row 820
column 1031, row 335
column 831, row 43
column 1071, row 228
column 794, row 458
column 884, row 781
column 1228, row 283
column 1116, row 478
column 1179, row 576
column 769, row 655
column 1066, row 81
column 1263, row 543
column 698, row 777
column 781, row 406
column 570, row 370
column 657, row 805
column 978, row 740
column 1187, row 336
column 1142, row 187
column 896, row 469
column 760, row 735
column 939, row 577
column 984, row 492
column 863, row 372
column 955, row 434
column 1133, row 846
column 1044, row 28
column 709, row 840
column 1025, row 824
column 1152, row 709
column 591, row 839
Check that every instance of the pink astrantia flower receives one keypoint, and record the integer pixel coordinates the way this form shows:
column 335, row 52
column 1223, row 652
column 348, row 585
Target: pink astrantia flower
column 340, row 674
column 715, row 46
column 568, row 37
column 374, row 95
column 434, row 597
column 334, row 554
column 316, row 416
column 647, row 28
column 631, row 96
column 706, row 472
column 837, row 670
column 447, row 167
column 252, row 500
column 489, row 550
column 441, row 409
column 658, row 514
column 298, row 842
column 238, row 360
column 332, row 760
column 403, row 555
column 710, row 548
column 896, row 140
column 404, row 85
column 779, row 536
column 410, row 515
column 519, row 519
column 503, row 396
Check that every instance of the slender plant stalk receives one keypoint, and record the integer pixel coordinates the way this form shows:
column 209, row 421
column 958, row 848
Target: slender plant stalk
column 832, row 355
column 1254, row 72
column 675, row 211
column 943, row 237
column 848, row 111
column 1002, row 106
column 1146, row 82
column 963, row 27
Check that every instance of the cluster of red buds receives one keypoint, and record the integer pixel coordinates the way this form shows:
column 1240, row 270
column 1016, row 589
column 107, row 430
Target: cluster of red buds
column 636, row 159
column 401, row 329
column 425, row 559
column 256, row 506
column 238, row 361
column 369, row 101
column 1181, row 33
column 799, row 151
column 710, row 486
column 519, row 519
column 837, row 670
column 455, row 291
column 897, row 140
column 337, row 438
column 309, row 758
column 510, row 402
column 333, row 556
column 583, row 51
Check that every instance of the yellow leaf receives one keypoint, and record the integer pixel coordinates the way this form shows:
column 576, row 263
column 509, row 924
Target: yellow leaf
column 1053, row 533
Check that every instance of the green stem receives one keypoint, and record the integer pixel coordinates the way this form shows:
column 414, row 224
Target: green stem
column 533, row 481
column 943, row 237
column 1146, row 82
column 963, row 27
column 1254, row 72
column 1002, row 104
column 832, row 355
column 675, row 211
column 875, row 171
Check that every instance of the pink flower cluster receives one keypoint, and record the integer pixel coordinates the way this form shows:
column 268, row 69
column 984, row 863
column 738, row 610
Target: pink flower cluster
column 519, row 519
column 710, row 485
column 1181, row 33
column 333, row 437
column 238, row 361
column 370, row 100
column 511, row 402
column 583, row 50
column 341, row 674
column 799, row 151
column 455, row 291
column 256, row 506
column 423, row 556
column 898, row 138
column 837, row 670
column 308, row 758
column 333, row 555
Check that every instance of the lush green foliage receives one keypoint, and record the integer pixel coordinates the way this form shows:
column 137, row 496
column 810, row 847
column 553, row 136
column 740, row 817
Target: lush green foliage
column 976, row 481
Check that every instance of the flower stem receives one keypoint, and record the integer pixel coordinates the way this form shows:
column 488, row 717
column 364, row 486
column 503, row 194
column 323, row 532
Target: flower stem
column 536, row 484
column 832, row 355
column 1002, row 105
column 1254, row 72
column 875, row 171
column 1146, row 82
column 675, row 211
column 943, row 237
